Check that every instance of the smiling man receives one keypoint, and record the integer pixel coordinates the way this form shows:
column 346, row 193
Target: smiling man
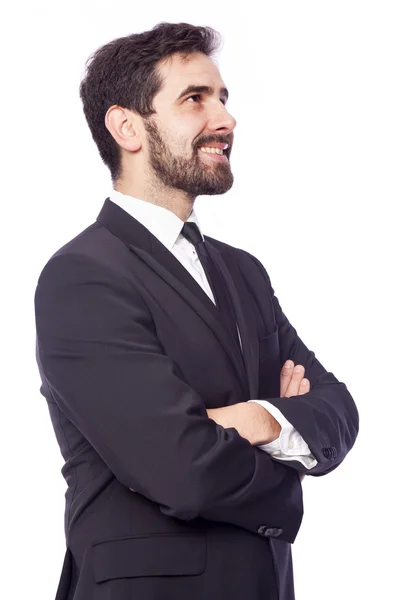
column 186, row 407
column 182, row 150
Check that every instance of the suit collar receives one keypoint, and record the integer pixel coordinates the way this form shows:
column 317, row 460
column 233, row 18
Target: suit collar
column 161, row 222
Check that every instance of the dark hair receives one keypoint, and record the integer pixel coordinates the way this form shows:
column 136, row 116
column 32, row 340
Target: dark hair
column 124, row 72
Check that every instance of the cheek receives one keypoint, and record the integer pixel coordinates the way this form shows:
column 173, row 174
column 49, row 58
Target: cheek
column 189, row 126
column 182, row 133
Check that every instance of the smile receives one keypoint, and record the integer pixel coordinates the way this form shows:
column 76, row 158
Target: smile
column 214, row 154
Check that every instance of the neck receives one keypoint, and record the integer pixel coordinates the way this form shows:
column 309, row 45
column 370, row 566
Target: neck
column 177, row 201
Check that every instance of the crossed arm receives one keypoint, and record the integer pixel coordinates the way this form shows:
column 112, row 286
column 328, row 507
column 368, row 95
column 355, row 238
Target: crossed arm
column 251, row 420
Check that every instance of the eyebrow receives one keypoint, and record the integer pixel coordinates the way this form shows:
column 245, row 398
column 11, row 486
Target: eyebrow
column 203, row 89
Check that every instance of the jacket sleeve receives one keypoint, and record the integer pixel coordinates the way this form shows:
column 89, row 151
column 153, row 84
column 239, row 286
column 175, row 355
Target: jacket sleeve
column 326, row 417
column 102, row 363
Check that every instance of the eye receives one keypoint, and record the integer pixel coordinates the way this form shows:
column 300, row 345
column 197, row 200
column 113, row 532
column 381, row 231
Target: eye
column 194, row 96
column 198, row 97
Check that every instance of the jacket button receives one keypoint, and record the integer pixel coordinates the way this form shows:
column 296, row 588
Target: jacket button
column 273, row 532
column 262, row 529
column 269, row 531
column 329, row 453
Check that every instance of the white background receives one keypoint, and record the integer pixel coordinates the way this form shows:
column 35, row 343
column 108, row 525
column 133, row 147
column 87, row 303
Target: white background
column 314, row 86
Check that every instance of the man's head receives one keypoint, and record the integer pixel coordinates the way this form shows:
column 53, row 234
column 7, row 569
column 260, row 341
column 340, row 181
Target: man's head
column 152, row 100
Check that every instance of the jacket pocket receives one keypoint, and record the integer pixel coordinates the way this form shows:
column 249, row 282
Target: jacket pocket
column 269, row 346
column 150, row 555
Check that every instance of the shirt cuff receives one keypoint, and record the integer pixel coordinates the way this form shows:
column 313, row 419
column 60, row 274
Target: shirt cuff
column 289, row 445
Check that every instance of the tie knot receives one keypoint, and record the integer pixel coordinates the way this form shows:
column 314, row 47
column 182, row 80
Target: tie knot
column 192, row 233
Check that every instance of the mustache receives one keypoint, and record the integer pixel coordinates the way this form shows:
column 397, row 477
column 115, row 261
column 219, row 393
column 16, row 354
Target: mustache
column 209, row 140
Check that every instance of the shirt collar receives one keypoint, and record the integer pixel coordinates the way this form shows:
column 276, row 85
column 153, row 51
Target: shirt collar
column 161, row 222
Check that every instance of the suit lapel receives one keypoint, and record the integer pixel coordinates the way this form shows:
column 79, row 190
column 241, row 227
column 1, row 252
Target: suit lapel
column 172, row 272
column 161, row 261
column 244, row 315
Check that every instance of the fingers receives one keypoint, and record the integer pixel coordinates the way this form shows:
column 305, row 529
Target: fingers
column 286, row 376
column 293, row 382
column 304, row 386
column 293, row 388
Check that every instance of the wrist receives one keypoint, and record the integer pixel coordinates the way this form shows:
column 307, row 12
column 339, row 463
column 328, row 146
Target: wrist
column 266, row 428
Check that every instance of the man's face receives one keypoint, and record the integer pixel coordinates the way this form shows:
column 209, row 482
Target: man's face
column 184, row 123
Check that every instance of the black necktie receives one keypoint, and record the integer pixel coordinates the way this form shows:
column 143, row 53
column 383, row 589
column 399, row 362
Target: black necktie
column 192, row 233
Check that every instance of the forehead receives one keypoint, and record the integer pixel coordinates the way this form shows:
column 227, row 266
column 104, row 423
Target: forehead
column 196, row 69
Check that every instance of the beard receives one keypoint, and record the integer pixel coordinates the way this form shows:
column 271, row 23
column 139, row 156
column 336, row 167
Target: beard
column 192, row 175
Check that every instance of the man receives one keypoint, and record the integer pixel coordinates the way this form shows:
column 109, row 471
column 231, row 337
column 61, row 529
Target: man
column 166, row 360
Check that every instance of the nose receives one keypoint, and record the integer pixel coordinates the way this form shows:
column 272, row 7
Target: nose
column 221, row 120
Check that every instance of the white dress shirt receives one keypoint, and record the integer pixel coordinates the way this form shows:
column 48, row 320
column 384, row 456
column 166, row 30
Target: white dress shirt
column 166, row 227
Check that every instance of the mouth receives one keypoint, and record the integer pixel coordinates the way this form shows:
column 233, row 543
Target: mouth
column 215, row 154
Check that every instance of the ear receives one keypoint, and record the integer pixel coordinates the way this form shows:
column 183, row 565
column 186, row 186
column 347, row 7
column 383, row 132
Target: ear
column 123, row 126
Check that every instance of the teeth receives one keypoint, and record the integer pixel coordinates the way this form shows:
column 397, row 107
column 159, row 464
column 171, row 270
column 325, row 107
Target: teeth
column 212, row 150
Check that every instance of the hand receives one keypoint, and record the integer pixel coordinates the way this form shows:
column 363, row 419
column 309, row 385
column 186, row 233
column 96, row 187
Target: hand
column 293, row 382
column 230, row 416
column 250, row 420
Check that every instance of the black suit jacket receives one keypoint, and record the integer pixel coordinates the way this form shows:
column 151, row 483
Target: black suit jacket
column 131, row 352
